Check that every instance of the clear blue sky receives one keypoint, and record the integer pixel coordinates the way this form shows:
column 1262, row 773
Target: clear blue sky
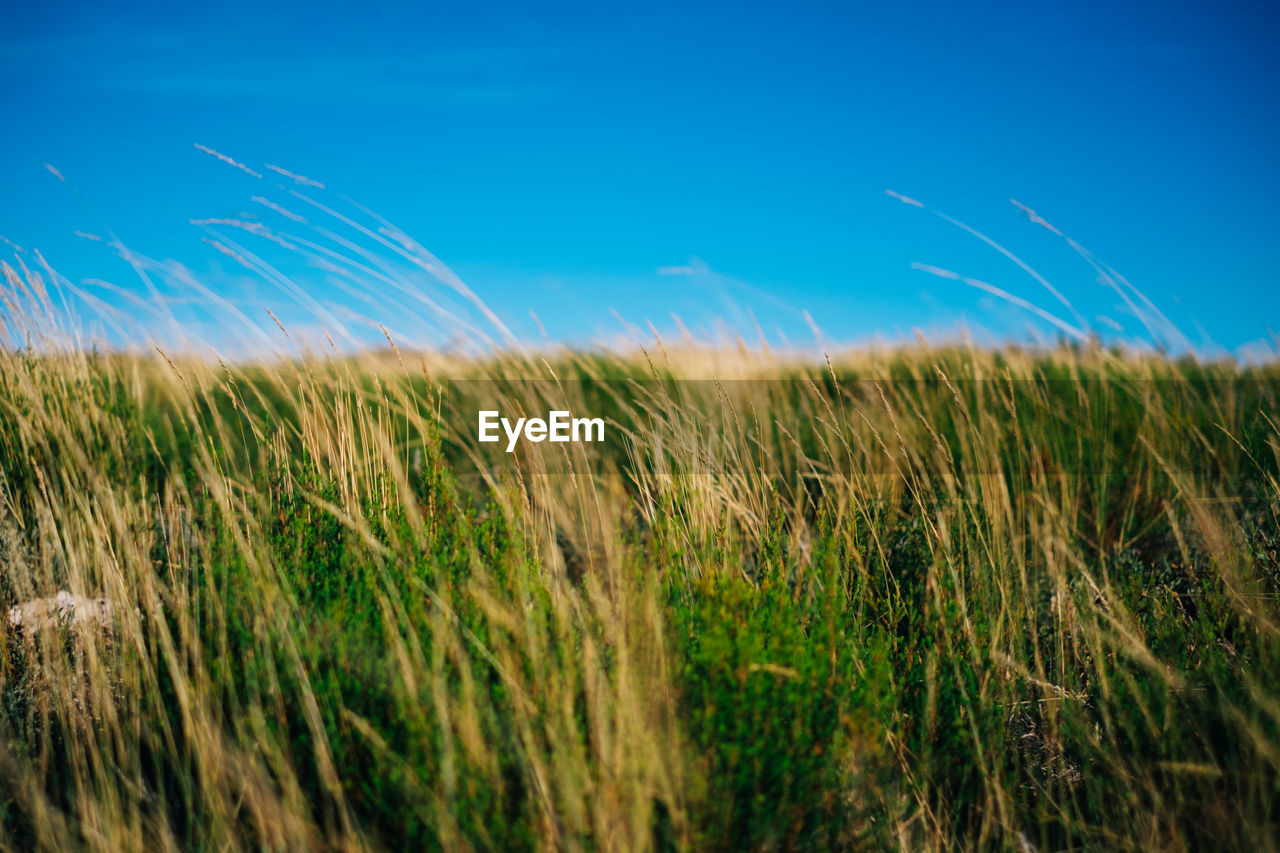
column 558, row 155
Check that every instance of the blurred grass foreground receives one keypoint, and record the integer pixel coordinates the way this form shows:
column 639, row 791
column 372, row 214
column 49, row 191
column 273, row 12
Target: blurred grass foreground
column 928, row 598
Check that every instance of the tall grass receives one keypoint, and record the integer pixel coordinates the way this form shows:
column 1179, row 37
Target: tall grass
column 927, row 598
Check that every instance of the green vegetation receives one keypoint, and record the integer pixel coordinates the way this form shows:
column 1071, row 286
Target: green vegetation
column 928, row 599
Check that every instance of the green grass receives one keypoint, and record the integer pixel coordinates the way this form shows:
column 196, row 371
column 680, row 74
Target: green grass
column 924, row 599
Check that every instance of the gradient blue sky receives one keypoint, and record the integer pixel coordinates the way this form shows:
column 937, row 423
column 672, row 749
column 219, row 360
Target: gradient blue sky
column 558, row 155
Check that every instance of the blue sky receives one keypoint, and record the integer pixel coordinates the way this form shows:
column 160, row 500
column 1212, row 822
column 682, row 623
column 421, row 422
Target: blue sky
column 722, row 161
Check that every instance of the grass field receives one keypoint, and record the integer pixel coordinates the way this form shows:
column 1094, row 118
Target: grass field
column 927, row 598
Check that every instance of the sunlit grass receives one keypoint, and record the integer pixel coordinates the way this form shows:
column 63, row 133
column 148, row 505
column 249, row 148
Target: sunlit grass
column 925, row 598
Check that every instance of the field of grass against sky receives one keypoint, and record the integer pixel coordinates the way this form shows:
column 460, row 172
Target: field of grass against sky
column 935, row 502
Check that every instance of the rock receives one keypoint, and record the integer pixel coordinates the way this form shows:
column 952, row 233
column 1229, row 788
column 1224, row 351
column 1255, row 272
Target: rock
column 62, row 609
